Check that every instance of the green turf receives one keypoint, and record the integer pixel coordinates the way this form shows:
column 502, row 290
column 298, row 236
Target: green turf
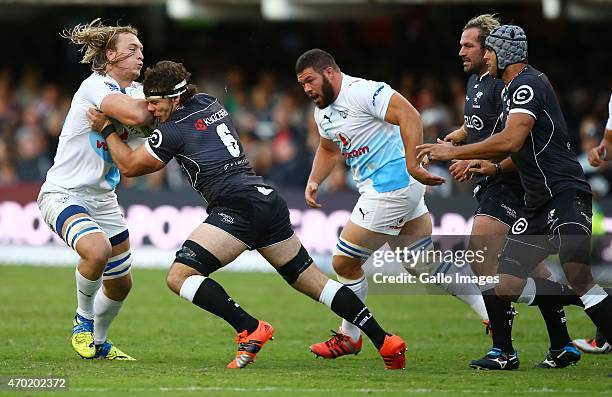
column 183, row 351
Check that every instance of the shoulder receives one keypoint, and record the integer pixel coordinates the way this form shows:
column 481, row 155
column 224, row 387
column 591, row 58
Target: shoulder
column 96, row 80
column 362, row 90
column 473, row 79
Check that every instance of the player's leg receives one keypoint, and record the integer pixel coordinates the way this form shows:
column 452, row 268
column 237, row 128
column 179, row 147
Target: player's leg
column 487, row 236
column 207, row 249
column 353, row 248
column 574, row 238
column 416, row 235
column 294, row 264
column 116, row 285
column 67, row 216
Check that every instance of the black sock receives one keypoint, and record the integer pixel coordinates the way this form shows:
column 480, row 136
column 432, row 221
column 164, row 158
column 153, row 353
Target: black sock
column 500, row 320
column 211, row 297
column 348, row 306
column 551, row 293
column 601, row 315
column 600, row 340
column 554, row 317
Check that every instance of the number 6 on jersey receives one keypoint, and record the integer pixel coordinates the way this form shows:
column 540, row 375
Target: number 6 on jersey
column 228, row 140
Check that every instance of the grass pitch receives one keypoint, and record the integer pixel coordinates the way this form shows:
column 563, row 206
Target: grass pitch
column 182, row 351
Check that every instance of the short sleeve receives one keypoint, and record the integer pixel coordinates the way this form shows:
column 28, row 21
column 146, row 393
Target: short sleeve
column 164, row 143
column 95, row 90
column 373, row 97
column 527, row 96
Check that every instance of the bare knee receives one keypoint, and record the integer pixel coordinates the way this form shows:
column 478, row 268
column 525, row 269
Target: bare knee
column 579, row 277
column 509, row 288
column 118, row 289
column 177, row 275
column 346, row 267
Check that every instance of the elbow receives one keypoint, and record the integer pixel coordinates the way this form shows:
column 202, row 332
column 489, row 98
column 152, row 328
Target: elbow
column 514, row 147
column 129, row 173
column 136, row 118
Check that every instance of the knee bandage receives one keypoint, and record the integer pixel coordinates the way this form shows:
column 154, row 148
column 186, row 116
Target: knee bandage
column 351, row 250
column 296, row 266
column 78, row 228
column 118, row 266
column 197, row 257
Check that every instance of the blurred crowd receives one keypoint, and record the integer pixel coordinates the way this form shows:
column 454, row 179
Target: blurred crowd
column 275, row 121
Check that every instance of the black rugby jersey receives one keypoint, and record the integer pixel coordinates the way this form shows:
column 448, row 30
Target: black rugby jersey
column 546, row 161
column 483, row 117
column 203, row 139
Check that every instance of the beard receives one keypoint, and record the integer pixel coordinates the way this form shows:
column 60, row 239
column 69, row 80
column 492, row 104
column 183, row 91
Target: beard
column 327, row 93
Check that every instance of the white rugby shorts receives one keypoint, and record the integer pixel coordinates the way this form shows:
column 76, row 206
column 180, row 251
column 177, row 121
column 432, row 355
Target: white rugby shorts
column 101, row 205
column 388, row 212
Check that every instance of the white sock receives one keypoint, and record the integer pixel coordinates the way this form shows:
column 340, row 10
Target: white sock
column 106, row 310
column 190, row 287
column 360, row 288
column 593, row 296
column 467, row 292
column 86, row 292
column 529, row 292
column 329, row 292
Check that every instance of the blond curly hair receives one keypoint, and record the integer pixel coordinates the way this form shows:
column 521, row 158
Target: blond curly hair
column 95, row 39
column 485, row 23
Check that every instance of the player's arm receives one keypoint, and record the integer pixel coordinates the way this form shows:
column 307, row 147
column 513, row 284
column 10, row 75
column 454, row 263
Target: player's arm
column 488, row 168
column 496, row 147
column 401, row 112
column 129, row 162
column 126, row 110
column 323, row 164
column 601, row 152
column 457, row 137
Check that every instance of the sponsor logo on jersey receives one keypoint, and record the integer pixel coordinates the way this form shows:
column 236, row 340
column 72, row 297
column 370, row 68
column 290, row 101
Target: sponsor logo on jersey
column 522, row 95
column 263, row 190
column 355, row 153
column 213, row 118
column 378, row 90
column 101, row 147
column 346, row 141
column 112, row 86
column 343, row 113
column 474, row 122
column 200, row 125
column 155, row 139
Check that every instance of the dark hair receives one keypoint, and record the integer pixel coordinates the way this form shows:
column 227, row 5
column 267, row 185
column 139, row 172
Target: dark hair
column 317, row 59
column 164, row 76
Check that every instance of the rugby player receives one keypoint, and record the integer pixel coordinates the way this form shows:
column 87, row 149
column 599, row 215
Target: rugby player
column 244, row 213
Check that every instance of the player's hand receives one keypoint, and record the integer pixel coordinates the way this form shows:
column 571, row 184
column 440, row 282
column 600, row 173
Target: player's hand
column 458, row 170
column 481, row 167
column 597, row 155
column 426, row 177
column 97, row 119
column 435, row 151
column 457, row 137
column 310, row 194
